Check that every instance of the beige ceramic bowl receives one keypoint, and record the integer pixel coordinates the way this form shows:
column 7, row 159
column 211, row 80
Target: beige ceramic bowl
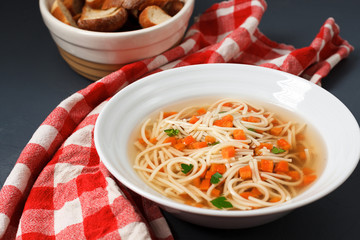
column 96, row 54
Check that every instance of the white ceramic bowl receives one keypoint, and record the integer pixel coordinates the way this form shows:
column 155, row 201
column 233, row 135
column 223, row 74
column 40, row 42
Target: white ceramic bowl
column 92, row 53
column 311, row 102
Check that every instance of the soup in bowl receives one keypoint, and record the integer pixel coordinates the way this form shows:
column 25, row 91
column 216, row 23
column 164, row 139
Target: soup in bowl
column 227, row 145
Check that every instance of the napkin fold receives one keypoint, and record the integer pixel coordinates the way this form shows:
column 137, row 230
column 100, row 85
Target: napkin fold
column 60, row 189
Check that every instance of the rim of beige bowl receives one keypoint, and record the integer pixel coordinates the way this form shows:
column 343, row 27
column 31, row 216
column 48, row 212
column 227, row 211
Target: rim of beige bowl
column 73, row 30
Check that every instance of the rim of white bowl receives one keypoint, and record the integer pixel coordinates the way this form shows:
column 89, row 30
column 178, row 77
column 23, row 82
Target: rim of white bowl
column 287, row 206
column 73, row 30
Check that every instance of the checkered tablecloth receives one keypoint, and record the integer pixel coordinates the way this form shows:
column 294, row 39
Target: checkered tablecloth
column 59, row 189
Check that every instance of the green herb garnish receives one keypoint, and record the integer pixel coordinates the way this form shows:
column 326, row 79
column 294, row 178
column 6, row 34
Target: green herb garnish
column 215, row 178
column 277, row 150
column 214, row 143
column 186, row 168
column 221, row 202
column 251, row 129
column 171, row 132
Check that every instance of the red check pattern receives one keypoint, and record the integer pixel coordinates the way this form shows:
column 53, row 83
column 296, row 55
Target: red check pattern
column 59, row 189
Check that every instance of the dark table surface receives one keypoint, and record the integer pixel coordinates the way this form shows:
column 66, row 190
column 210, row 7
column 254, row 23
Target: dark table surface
column 35, row 79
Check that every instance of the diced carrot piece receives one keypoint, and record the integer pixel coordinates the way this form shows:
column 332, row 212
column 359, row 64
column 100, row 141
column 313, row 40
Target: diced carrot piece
column 307, row 171
column 196, row 182
column 185, row 196
column 245, row 194
column 301, row 151
column 205, row 184
column 199, row 205
column 189, row 139
column 251, row 119
column 255, row 192
column 274, row 199
column 228, row 152
column 210, row 139
column 295, row 175
column 261, row 146
column 179, row 146
column 171, row 140
column 252, row 109
column 153, row 140
column 228, row 117
column 201, row 111
column 218, row 122
column 142, row 142
column 209, row 174
column 222, row 123
column 215, row 192
column 216, row 167
column 168, row 114
column 276, row 131
column 282, row 143
column 308, row 179
column 197, row 145
column 239, row 134
column 275, row 122
column 227, row 104
column 193, row 119
column 281, row 167
column 227, row 124
column 245, row 172
column 226, row 121
column 267, row 145
column 266, row 165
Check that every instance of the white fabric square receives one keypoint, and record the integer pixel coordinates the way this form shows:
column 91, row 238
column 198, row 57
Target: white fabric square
column 81, row 137
column 13, row 179
column 158, row 61
column 4, row 223
column 228, row 49
column 257, row 3
column 68, row 215
column 113, row 190
column 44, row 136
column 224, row 11
column 70, row 102
column 251, row 23
column 134, row 231
column 65, row 172
column 188, row 45
column 334, row 59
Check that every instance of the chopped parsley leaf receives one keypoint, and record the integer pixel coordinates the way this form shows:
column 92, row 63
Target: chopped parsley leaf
column 171, row 132
column 221, row 202
column 277, row 150
column 215, row 178
column 186, row 168
column 214, row 143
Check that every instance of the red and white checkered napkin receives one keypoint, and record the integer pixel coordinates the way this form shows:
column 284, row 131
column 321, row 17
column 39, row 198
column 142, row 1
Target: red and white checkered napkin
column 60, row 189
